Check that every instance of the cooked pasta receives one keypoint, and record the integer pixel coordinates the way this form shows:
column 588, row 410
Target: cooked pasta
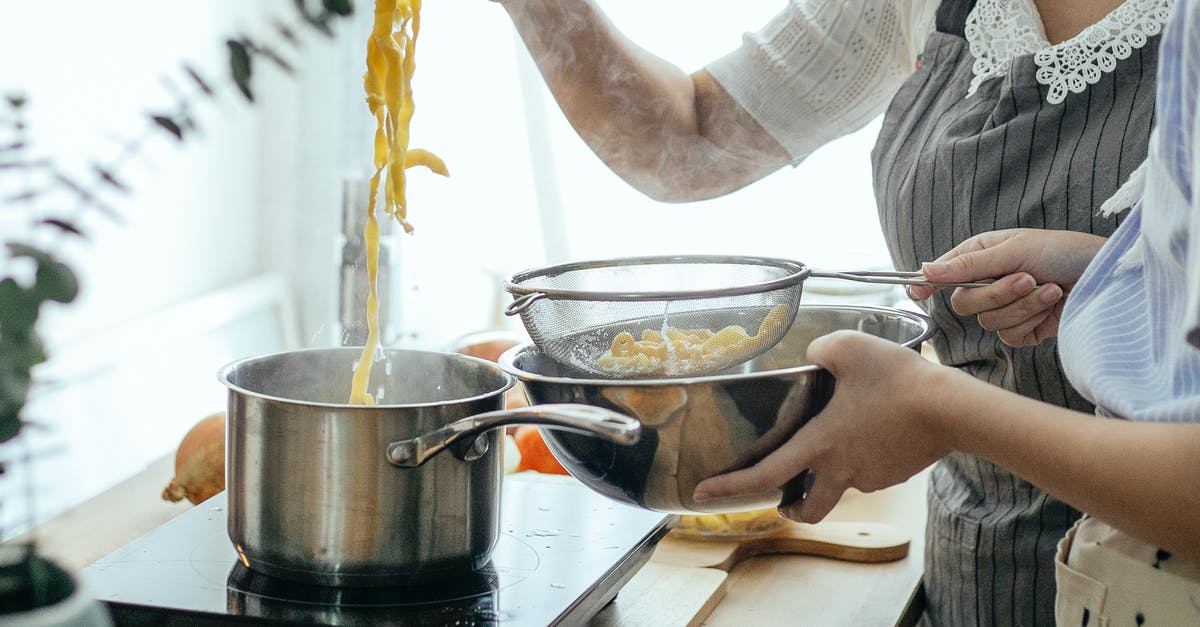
column 687, row 350
column 391, row 58
column 729, row 526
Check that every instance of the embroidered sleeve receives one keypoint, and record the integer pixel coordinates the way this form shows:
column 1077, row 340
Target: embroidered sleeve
column 824, row 68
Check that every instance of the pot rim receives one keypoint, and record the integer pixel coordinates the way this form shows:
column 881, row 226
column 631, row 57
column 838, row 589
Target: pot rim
column 224, row 372
column 508, row 358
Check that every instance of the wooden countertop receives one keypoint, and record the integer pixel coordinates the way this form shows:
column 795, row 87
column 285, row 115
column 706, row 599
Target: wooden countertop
column 760, row 591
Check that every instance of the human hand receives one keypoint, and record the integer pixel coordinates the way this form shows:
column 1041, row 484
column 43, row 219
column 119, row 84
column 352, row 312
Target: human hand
column 872, row 434
column 1035, row 270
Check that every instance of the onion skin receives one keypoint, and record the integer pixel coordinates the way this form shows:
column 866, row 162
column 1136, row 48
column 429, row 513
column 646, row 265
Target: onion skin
column 199, row 462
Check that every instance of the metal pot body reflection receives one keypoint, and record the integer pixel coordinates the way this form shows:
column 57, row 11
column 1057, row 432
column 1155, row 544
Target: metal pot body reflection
column 698, row 427
column 323, row 492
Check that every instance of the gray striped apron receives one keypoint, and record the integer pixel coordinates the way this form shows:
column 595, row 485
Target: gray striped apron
column 948, row 166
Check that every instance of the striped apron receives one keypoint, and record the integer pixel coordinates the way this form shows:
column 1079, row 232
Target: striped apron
column 946, row 167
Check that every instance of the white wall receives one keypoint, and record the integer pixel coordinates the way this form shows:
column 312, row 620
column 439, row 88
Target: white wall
column 118, row 392
column 259, row 190
column 92, row 71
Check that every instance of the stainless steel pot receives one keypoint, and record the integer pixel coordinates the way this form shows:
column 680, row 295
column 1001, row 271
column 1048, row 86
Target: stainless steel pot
column 328, row 493
column 694, row 428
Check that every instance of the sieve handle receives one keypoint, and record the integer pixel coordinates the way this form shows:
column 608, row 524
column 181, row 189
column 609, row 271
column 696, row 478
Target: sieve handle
column 890, row 277
column 521, row 303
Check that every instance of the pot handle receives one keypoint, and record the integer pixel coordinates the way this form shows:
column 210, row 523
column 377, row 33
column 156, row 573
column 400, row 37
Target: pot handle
column 586, row 419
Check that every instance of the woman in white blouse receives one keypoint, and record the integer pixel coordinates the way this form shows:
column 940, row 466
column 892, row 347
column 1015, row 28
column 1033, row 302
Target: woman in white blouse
column 997, row 114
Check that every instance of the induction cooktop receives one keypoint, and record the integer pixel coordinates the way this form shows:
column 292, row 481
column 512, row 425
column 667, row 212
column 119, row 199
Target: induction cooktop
column 562, row 554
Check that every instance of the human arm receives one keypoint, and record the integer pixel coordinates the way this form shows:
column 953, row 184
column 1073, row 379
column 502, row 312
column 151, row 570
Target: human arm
column 1034, row 270
column 893, row 413
column 662, row 130
column 680, row 137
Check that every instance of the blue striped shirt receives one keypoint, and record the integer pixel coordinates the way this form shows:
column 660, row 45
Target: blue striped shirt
column 1130, row 333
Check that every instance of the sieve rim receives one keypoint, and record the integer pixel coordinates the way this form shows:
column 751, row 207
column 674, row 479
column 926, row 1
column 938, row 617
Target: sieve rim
column 507, row 360
column 797, row 273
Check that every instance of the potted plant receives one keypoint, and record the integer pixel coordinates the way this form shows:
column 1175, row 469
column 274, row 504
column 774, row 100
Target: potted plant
column 34, row 276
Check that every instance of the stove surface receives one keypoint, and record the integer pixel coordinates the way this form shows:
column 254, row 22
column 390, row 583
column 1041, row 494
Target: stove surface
column 562, row 554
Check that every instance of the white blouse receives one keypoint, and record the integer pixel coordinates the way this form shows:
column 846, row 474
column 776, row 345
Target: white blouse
column 824, row 68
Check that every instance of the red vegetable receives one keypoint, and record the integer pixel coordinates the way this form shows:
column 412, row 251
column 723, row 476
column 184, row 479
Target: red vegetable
column 534, row 453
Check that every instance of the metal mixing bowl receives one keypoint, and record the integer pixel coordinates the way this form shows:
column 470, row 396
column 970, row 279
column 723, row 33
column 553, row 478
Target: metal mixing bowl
column 694, row 428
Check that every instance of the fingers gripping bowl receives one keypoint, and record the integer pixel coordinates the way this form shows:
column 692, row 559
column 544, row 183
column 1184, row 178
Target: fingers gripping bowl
column 694, row 428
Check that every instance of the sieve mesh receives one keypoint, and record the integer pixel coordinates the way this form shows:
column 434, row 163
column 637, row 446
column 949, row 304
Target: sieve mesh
column 573, row 312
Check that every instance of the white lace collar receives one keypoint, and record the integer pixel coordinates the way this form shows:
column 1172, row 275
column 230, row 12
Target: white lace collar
column 999, row 31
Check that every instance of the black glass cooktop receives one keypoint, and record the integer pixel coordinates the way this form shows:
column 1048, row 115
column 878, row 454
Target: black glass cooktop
column 563, row 553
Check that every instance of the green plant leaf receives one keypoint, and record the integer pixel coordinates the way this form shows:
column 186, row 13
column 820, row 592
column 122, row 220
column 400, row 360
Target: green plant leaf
column 275, row 58
column 64, row 226
column 56, row 282
column 199, row 80
column 24, row 196
column 109, row 177
column 10, row 419
column 287, row 33
column 14, row 390
column 321, row 23
column 317, row 19
column 23, row 250
column 338, row 7
column 18, row 308
column 21, row 351
column 168, row 125
column 240, row 67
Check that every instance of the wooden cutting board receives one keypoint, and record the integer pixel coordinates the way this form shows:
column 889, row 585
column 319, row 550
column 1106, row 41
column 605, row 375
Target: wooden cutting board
column 849, row 541
column 686, row 579
column 663, row 594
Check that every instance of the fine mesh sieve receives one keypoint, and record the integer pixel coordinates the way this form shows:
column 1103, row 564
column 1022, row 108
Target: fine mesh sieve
column 608, row 318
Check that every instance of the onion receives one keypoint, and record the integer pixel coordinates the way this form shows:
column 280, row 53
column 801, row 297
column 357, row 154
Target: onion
column 199, row 462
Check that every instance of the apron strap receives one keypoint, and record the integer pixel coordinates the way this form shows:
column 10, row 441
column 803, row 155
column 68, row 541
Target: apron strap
column 952, row 16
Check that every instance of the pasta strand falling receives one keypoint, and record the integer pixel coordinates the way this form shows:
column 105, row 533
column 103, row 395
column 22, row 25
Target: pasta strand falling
column 391, row 61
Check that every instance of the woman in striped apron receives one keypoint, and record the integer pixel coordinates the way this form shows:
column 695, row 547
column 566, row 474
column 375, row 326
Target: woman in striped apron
column 987, row 126
column 948, row 167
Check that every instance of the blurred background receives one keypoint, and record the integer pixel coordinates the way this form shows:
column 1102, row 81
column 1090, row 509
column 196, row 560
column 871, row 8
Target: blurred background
column 230, row 244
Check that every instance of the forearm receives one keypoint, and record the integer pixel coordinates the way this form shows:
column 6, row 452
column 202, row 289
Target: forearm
column 673, row 136
column 1143, row 478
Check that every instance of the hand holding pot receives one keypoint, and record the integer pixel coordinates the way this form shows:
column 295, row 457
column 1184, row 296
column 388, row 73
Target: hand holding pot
column 870, row 436
column 1035, row 268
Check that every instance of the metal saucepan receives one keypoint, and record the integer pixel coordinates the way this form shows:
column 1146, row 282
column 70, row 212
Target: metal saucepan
column 328, row 493
column 694, row 428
